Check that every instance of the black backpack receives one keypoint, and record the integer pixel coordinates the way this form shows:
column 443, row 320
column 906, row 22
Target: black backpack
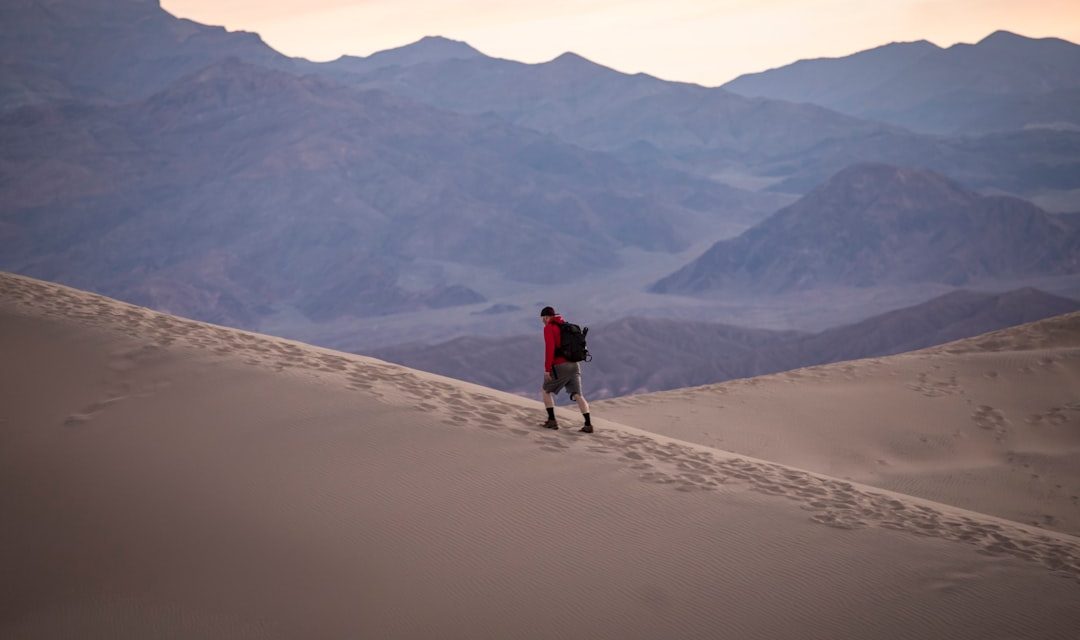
column 572, row 343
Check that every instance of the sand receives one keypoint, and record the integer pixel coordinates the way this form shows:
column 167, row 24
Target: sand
column 161, row 477
column 990, row 423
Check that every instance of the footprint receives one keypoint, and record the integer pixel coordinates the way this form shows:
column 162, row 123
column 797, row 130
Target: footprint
column 989, row 418
column 77, row 418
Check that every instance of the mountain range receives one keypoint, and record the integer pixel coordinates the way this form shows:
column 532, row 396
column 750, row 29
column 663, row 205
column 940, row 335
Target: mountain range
column 709, row 131
column 874, row 224
column 120, row 50
column 240, row 186
column 1003, row 82
column 198, row 171
column 636, row 355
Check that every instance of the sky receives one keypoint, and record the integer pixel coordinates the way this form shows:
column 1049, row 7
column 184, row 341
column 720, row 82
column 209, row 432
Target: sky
column 708, row 42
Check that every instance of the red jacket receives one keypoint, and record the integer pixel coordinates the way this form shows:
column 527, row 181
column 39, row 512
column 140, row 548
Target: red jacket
column 552, row 341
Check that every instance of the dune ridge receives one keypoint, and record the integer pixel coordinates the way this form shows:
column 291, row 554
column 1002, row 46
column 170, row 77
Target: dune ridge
column 663, row 460
column 989, row 423
column 1060, row 332
column 676, row 482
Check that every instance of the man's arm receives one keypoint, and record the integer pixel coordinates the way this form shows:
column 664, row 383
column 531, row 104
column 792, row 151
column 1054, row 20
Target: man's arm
column 549, row 348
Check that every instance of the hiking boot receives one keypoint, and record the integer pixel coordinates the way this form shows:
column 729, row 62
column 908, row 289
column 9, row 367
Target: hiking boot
column 586, row 429
column 551, row 424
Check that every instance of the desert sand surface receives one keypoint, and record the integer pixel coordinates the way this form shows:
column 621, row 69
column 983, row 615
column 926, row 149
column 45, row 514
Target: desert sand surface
column 989, row 423
column 163, row 478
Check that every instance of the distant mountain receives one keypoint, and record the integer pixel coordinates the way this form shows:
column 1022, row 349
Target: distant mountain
column 240, row 191
column 874, row 224
column 123, row 50
column 976, row 113
column 427, row 49
column 108, row 50
column 1003, row 82
column 497, row 309
column 200, row 172
column 955, row 315
column 636, row 355
column 709, row 131
column 600, row 108
column 1029, row 162
column 832, row 81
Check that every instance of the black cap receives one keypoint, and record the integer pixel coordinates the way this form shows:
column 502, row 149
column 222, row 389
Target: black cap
column 547, row 311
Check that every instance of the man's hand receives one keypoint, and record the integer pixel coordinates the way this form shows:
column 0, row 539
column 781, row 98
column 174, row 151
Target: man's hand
column 547, row 375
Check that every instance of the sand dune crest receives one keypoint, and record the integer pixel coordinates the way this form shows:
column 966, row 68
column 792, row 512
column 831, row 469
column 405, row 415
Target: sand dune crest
column 241, row 437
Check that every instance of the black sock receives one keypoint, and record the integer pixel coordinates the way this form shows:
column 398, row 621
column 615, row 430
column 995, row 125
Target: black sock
column 551, row 413
column 588, row 423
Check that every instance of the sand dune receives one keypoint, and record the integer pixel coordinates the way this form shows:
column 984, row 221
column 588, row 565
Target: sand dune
column 161, row 477
column 990, row 423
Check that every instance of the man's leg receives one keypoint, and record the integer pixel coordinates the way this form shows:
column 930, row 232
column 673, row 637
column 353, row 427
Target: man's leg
column 549, row 405
column 582, row 403
column 584, row 406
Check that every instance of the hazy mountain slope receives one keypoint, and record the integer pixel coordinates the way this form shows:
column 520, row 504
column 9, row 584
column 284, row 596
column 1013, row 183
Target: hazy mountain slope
column 241, row 187
column 592, row 105
column 128, row 49
column 709, row 131
column 832, row 82
column 1005, row 81
column 1017, row 162
column 955, row 315
column 970, row 113
column 1001, row 63
column 126, row 202
column 108, row 50
column 872, row 224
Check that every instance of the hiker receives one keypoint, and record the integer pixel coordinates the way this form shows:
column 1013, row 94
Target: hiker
column 559, row 372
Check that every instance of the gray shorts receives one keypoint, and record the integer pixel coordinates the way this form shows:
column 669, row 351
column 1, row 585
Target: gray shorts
column 567, row 376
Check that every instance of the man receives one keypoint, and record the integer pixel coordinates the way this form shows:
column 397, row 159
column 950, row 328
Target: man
column 559, row 373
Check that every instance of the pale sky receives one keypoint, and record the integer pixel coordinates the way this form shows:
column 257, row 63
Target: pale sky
column 709, row 42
